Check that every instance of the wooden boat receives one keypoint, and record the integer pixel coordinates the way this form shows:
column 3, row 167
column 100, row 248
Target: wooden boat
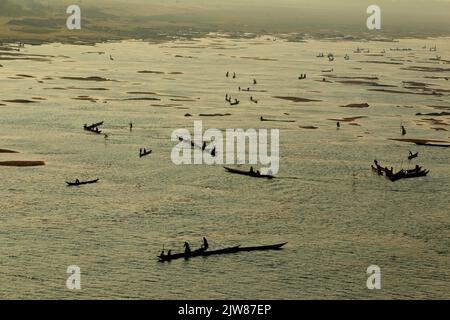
column 94, row 125
column 248, row 173
column 93, row 129
column 405, row 175
column 413, row 156
column 205, row 253
column 80, row 183
column 143, row 154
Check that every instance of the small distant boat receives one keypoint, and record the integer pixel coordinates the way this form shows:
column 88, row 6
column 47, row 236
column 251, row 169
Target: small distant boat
column 413, row 155
column 80, row 183
column 145, row 153
column 408, row 174
column 94, row 125
column 204, row 253
column 254, row 174
column 94, row 130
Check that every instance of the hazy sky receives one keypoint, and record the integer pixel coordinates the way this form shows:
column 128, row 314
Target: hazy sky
column 399, row 17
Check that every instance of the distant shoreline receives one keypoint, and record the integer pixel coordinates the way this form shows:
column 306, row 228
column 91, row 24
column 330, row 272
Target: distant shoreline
column 91, row 41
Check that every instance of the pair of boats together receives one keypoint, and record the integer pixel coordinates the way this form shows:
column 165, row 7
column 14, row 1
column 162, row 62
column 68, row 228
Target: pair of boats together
column 204, row 252
column 94, row 127
column 417, row 172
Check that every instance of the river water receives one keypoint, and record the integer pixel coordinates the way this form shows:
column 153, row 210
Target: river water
column 336, row 215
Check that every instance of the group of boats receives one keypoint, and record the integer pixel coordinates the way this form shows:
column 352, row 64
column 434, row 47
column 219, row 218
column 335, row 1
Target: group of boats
column 232, row 102
column 389, row 173
column 204, row 252
column 212, row 151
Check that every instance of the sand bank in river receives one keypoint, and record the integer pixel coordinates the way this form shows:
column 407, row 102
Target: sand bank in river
column 356, row 105
column 296, row 99
column 7, row 151
column 348, row 119
column 22, row 163
column 419, row 141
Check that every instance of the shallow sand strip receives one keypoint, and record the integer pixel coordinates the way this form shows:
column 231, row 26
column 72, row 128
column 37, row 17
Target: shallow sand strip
column 7, row 151
column 22, row 163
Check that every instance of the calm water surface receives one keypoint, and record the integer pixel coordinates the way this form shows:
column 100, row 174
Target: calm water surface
column 337, row 216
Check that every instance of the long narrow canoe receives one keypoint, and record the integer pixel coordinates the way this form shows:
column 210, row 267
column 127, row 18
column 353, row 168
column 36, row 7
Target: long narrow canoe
column 203, row 253
column 398, row 176
column 70, row 184
column 248, row 173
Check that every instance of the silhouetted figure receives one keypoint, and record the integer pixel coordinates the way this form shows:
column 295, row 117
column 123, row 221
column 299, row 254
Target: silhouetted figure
column 234, row 75
column 251, row 170
column 205, row 244
column 228, row 74
column 131, row 126
column 338, row 124
column 254, row 82
column 187, row 249
column 403, row 131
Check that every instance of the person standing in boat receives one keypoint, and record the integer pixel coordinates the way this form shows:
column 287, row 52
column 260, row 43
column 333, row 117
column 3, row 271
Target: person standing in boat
column 187, row 248
column 205, row 244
